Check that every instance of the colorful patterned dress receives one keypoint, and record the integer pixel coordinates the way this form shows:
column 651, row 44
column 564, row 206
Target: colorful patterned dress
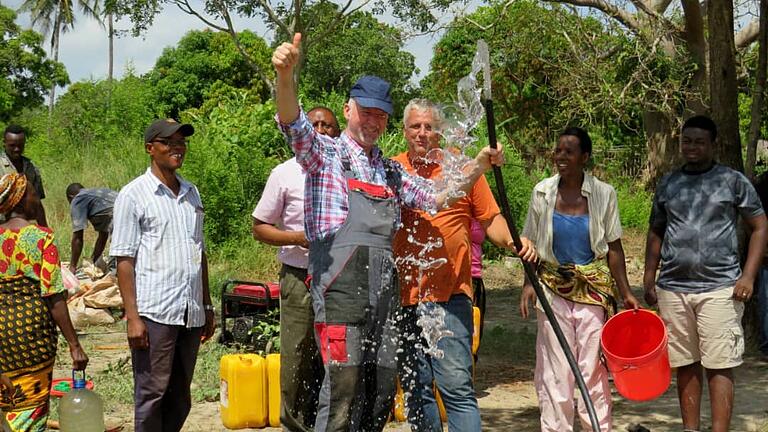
column 30, row 270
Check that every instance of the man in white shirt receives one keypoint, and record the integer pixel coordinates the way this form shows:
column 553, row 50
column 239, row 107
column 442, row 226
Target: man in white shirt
column 162, row 272
column 278, row 220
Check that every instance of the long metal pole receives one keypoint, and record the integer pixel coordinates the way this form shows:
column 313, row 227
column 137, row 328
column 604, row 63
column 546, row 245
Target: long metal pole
column 531, row 273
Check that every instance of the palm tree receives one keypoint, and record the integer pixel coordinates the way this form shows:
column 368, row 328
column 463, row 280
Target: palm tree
column 55, row 17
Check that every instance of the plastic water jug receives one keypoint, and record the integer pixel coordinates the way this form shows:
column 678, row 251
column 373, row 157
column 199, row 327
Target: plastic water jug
column 81, row 410
column 273, row 389
column 243, row 395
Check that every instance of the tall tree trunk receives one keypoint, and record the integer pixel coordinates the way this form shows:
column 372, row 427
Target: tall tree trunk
column 663, row 152
column 111, row 30
column 722, row 83
column 55, row 51
column 758, row 92
column 696, row 45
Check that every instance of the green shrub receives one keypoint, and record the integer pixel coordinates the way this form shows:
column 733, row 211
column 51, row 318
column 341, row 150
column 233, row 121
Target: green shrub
column 634, row 204
column 235, row 146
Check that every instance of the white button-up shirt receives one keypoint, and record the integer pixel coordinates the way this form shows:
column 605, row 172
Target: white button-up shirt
column 164, row 233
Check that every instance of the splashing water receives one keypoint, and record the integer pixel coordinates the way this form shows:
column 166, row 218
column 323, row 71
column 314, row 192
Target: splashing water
column 432, row 322
column 459, row 119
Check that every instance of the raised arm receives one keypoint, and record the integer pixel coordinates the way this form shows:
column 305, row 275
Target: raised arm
column 285, row 59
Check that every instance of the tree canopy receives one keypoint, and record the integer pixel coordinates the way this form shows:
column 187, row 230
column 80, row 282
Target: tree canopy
column 184, row 75
column 550, row 68
column 23, row 62
column 360, row 45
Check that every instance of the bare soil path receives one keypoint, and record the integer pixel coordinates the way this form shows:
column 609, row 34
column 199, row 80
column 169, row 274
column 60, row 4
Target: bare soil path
column 504, row 376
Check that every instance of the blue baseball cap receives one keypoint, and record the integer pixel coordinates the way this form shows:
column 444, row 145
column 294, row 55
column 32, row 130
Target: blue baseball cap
column 372, row 92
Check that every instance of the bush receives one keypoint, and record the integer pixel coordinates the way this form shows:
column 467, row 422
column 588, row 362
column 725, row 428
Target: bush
column 634, row 204
column 235, row 146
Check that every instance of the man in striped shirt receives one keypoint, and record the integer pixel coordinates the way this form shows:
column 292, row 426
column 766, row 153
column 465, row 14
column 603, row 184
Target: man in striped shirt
column 163, row 277
column 352, row 206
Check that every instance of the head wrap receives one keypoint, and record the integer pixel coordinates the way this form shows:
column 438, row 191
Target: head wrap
column 12, row 188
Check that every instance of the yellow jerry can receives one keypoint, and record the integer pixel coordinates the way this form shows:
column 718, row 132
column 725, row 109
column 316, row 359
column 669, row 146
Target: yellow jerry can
column 399, row 407
column 243, row 393
column 273, row 389
column 475, row 329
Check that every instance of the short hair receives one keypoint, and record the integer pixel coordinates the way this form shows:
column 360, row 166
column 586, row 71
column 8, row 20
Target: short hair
column 74, row 188
column 424, row 105
column 14, row 129
column 702, row 122
column 585, row 142
column 324, row 108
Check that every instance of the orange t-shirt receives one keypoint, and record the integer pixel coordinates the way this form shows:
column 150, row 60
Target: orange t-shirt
column 452, row 225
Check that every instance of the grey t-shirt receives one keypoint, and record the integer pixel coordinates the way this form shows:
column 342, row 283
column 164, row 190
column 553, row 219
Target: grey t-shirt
column 698, row 214
column 89, row 204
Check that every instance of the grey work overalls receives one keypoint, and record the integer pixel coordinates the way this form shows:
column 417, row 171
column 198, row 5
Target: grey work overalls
column 356, row 299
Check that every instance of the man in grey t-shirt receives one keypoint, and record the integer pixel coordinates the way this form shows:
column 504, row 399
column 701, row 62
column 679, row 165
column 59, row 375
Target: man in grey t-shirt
column 701, row 288
column 94, row 205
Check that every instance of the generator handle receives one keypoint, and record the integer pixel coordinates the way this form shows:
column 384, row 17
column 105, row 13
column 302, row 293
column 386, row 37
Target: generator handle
column 231, row 282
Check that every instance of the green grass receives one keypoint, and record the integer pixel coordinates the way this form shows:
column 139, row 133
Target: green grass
column 115, row 383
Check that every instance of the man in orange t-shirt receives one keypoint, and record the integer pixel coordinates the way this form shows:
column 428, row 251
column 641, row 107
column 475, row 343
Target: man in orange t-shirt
column 447, row 286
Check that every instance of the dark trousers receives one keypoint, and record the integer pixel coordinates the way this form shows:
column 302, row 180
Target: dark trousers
column 162, row 375
column 301, row 367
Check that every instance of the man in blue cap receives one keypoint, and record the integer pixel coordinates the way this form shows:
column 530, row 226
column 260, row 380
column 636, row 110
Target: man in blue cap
column 352, row 201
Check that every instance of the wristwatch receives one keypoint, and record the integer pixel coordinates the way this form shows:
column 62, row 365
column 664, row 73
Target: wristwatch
column 208, row 307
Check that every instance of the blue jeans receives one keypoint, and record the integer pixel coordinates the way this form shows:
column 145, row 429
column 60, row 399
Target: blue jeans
column 762, row 307
column 452, row 374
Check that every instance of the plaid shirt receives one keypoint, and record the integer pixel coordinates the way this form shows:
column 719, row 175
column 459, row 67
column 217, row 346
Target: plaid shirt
column 326, row 203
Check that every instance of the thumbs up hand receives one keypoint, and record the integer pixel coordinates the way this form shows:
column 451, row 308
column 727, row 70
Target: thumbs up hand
column 286, row 56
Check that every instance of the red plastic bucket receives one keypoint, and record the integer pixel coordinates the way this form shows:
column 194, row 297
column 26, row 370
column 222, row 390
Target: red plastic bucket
column 634, row 344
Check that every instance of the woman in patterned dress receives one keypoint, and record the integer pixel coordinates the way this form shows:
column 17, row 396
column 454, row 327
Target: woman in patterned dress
column 32, row 304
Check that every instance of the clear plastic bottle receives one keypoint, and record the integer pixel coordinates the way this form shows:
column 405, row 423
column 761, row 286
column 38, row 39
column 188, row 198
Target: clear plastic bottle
column 81, row 410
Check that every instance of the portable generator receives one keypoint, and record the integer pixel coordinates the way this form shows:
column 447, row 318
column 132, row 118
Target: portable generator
column 244, row 304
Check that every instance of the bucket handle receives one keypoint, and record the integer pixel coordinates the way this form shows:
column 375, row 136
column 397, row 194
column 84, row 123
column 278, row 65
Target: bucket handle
column 604, row 361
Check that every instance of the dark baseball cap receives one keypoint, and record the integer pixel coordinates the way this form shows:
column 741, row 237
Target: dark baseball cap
column 372, row 92
column 164, row 128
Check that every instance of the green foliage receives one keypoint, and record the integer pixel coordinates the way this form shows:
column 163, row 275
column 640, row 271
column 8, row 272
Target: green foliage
column 241, row 258
column 203, row 62
column 28, row 74
column 235, row 146
column 95, row 113
column 519, row 344
column 207, row 379
column 115, row 383
column 634, row 204
column 547, row 74
column 359, row 45
column 266, row 333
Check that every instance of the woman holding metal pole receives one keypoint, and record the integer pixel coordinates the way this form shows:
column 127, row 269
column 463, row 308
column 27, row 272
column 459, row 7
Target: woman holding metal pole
column 573, row 220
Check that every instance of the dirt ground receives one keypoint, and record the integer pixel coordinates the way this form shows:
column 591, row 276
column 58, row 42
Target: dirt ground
column 504, row 375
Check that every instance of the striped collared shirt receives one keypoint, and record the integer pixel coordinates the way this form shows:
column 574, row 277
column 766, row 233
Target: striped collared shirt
column 164, row 233
column 326, row 203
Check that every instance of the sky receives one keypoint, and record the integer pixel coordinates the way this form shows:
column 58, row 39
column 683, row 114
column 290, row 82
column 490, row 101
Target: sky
column 83, row 51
